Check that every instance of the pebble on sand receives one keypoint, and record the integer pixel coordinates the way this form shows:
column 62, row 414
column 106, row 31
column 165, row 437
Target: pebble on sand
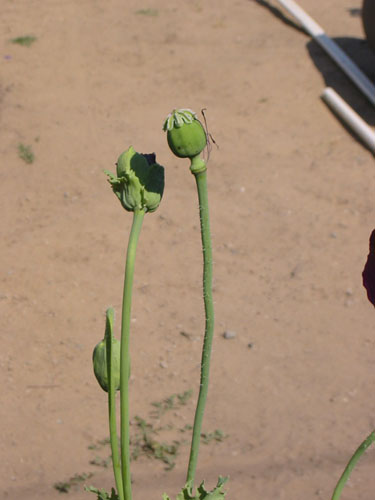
column 229, row 334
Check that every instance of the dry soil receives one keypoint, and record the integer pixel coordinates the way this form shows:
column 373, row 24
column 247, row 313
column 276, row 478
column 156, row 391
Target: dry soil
column 292, row 208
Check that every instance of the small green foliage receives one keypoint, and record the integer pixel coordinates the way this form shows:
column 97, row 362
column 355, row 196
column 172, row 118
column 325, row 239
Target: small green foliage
column 201, row 494
column 65, row 486
column 165, row 452
column 101, row 462
column 102, row 494
column 26, row 153
column 186, row 428
column 216, row 435
column 150, row 438
column 144, row 443
column 99, row 444
column 147, row 12
column 164, row 405
column 184, row 397
column 25, row 41
column 171, row 403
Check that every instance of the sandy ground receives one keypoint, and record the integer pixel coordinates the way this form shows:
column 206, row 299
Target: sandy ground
column 292, row 208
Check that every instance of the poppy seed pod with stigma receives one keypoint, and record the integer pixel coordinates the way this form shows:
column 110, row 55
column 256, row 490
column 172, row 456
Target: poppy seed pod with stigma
column 185, row 133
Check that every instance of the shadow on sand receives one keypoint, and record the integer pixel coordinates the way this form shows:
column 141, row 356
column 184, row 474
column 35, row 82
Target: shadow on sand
column 356, row 48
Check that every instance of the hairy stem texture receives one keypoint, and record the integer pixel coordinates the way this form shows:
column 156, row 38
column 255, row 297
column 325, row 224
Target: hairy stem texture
column 201, row 181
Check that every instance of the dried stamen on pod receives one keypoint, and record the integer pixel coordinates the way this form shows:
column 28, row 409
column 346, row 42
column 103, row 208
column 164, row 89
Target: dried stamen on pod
column 185, row 133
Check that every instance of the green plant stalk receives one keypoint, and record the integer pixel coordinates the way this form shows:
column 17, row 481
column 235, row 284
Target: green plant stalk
column 198, row 168
column 114, row 441
column 116, row 463
column 125, row 357
column 351, row 464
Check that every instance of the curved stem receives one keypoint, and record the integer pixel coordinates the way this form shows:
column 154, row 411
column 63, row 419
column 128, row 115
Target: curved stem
column 125, row 357
column 199, row 170
column 116, row 463
column 351, row 464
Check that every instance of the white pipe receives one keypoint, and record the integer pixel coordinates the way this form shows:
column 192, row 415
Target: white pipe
column 350, row 117
column 332, row 49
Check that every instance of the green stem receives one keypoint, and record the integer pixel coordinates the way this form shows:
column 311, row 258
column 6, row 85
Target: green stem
column 112, row 407
column 112, row 403
column 125, row 357
column 351, row 464
column 114, row 443
column 198, row 168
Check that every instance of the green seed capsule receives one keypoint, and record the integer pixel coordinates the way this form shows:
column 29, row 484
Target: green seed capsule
column 99, row 359
column 185, row 133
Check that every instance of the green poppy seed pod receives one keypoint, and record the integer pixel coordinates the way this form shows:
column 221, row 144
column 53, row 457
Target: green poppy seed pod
column 185, row 133
column 139, row 183
column 99, row 359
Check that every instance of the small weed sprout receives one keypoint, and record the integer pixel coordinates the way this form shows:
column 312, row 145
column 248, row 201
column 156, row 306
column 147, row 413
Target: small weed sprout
column 65, row 486
column 170, row 403
column 25, row 41
column 147, row 12
column 217, row 435
column 151, row 438
column 26, row 153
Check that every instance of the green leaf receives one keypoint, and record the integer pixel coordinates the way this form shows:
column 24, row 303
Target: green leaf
column 102, row 494
column 201, row 494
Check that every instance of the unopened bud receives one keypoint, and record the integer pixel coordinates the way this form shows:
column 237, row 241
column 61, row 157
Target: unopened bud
column 139, row 183
column 99, row 359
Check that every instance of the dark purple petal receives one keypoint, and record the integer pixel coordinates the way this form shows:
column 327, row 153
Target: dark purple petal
column 368, row 274
column 150, row 157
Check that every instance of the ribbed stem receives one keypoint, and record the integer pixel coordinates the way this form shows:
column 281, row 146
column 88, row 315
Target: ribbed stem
column 125, row 357
column 198, row 168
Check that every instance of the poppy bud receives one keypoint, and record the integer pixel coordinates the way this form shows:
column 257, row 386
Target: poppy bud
column 108, row 349
column 99, row 359
column 139, row 183
column 185, row 133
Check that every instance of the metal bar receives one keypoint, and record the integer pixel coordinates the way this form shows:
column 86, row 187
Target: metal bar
column 332, row 49
column 350, row 117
